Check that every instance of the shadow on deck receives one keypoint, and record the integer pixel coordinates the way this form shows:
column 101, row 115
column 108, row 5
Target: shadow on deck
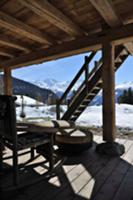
column 87, row 176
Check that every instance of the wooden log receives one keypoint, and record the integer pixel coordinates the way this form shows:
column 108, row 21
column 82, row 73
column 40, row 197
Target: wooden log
column 7, row 82
column 108, row 77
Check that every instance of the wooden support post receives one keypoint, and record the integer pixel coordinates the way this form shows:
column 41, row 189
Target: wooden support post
column 7, row 82
column 108, row 76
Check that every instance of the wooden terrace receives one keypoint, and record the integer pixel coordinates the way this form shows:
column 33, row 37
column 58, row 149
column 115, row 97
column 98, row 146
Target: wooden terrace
column 87, row 176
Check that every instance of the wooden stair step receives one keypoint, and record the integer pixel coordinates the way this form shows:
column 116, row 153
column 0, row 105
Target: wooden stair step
column 77, row 112
column 96, row 88
column 123, row 57
column 82, row 106
column 73, row 118
column 91, row 94
column 118, row 60
column 100, row 81
column 124, row 52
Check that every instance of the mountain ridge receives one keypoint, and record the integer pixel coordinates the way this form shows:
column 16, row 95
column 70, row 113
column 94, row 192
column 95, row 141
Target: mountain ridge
column 21, row 87
column 59, row 88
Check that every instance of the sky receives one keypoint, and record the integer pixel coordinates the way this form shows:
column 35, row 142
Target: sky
column 65, row 69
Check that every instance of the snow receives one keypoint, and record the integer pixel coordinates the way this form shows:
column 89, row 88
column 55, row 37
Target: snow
column 27, row 100
column 37, row 113
column 92, row 116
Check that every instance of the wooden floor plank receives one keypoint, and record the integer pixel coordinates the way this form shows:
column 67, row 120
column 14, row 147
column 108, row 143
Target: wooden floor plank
column 87, row 176
column 91, row 169
column 113, row 182
column 99, row 179
column 125, row 190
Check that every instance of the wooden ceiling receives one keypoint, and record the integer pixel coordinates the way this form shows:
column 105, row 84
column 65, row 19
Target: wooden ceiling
column 33, row 31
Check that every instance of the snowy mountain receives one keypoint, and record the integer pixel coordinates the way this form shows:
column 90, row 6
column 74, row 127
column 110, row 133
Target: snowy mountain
column 59, row 87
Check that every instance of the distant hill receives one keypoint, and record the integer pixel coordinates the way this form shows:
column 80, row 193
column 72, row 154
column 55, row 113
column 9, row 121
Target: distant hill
column 31, row 90
column 59, row 87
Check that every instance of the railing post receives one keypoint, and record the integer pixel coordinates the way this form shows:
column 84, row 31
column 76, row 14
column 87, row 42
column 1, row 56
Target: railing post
column 86, row 73
column 57, row 109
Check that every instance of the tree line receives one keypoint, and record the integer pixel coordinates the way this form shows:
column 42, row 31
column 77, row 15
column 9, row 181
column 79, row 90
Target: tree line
column 126, row 97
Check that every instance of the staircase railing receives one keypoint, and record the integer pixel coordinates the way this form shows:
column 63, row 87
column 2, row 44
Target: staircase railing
column 84, row 69
column 84, row 84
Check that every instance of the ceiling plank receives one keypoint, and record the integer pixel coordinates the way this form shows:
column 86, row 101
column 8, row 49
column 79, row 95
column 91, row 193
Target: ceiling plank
column 83, row 44
column 6, row 53
column 17, row 26
column 4, row 40
column 107, row 11
column 47, row 11
column 111, row 17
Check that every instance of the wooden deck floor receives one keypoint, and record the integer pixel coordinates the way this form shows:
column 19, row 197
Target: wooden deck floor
column 88, row 176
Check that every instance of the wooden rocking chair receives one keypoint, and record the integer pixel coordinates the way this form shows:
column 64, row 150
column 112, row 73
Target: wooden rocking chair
column 16, row 142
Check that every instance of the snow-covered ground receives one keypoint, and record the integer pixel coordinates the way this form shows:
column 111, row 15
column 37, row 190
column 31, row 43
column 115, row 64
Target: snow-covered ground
column 91, row 117
column 26, row 101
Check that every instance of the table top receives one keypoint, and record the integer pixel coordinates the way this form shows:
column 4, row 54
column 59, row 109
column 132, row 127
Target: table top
column 45, row 126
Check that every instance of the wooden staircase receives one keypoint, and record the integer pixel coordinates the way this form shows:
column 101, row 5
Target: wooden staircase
column 89, row 88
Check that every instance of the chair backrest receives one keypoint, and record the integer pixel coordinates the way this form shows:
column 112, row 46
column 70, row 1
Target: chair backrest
column 7, row 117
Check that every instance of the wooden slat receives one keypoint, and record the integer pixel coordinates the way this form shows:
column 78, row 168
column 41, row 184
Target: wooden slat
column 111, row 17
column 47, row 11
column 11, row 43
column 17, row 26
column 80, row 45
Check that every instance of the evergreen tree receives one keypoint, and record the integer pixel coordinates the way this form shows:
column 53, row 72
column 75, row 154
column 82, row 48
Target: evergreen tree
column 126, row 97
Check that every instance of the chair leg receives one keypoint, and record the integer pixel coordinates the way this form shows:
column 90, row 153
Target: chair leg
column 1, row 154
column 15, row 167
column 32, row 153
column 51, row 159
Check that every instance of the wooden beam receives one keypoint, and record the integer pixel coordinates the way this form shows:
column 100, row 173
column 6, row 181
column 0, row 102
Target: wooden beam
column 6, row 53
column 7, row 82
column 116, row 36
column 46, row 10
column 17, row 26
column 111, row 17
column 108, row 77
column 55, row 52
column 107, row 11
column 13, row 44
